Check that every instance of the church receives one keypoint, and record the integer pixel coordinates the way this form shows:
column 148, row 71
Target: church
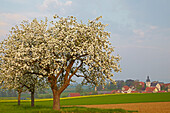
column 152, row 86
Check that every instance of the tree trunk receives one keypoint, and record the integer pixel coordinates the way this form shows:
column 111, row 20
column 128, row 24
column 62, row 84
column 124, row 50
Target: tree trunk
column 32, row 98
column 56, row 100
column 19, row 97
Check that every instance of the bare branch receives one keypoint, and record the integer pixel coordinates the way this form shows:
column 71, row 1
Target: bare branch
column 79, row 75
column 68, row 69
column 36, row 73
column 75, row 70
column 59, row 73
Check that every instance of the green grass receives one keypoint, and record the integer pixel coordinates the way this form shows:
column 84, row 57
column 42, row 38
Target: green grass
column 118, row 99
column 41, row 107
column 46, row 106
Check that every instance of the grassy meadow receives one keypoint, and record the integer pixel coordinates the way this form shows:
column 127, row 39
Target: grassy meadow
column 45, row 105
column 118, row 99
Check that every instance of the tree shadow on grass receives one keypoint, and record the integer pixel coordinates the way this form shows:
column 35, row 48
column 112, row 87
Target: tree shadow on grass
column 48, row 109
column 94, row 110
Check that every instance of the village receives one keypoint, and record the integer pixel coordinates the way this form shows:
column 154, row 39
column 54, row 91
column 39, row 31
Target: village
column 119, row 87
column 130, row 87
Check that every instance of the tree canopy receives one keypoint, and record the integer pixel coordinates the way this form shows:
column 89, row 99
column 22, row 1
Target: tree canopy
column 59, row 50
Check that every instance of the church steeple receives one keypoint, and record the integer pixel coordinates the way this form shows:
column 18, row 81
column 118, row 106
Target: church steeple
column 148, row 82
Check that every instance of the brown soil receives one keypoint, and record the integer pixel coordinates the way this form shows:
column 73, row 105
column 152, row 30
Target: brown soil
column 154, row 107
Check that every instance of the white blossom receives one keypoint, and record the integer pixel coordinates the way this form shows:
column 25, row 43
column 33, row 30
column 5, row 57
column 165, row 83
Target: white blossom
column 49, row 48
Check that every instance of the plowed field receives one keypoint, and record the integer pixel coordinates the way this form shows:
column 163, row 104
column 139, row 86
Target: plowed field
column 154, row 107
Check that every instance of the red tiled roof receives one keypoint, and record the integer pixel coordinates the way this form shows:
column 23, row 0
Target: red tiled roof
column 162, row 84
column 115, row 91
column 142, row 84
column 150, row 89
column 90, row 93
column 125, row 88
column 74, row 94
column 166, row 85
column 161, row 91
column 134, row 92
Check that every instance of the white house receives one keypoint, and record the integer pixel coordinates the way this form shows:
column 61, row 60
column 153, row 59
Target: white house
column 126, row 89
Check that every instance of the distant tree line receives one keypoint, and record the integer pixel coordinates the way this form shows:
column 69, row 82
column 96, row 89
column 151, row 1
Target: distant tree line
column 46, row 93
column 8, row 93
column 117, row 85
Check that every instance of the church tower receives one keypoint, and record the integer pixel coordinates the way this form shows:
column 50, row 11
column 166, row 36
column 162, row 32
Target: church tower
column 148, row 82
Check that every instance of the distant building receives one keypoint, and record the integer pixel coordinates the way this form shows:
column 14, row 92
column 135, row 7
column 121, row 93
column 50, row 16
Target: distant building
column 156, row 84
column 126, row 89
column 152, row 87
column 161, row 91
column 142, row 84
column 115, row 91
column 151, row 90
column 95, row 88
column 148, row 82
column 134, row 92
column 104, row 92
column 167, row 86
column 73, row 94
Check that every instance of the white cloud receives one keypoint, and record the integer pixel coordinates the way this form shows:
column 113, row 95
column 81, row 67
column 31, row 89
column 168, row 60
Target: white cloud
column 2, row 34
column 17, row 1
column 9, row 20
column 12, row 17
column 54, row 4
column 139, row 32
column 139, row 46
column 3, row 24
column 153, row 27
column 68, row 3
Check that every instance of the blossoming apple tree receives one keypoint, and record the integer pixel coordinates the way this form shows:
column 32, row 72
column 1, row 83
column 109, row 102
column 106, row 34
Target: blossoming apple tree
column 59, row 50
column 22, row 83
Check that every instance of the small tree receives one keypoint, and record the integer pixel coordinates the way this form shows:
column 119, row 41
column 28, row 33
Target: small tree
column 8, row 83
column 130, row 82
column 60, row 50
column 120, row 84
column 79, row 88
column 22, row 83
column 19, row 90
column 31, row 83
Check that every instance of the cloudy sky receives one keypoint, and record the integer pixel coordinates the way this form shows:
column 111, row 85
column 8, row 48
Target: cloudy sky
column 140, row 29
